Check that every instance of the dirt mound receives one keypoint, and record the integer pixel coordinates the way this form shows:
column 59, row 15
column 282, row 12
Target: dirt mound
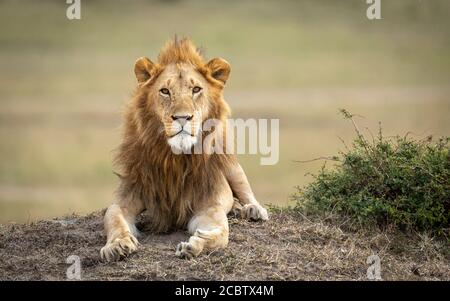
column 285, row 248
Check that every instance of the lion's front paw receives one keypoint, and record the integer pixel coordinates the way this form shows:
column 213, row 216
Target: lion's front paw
column 185, row 250
column 119, row 248
column 255, row 212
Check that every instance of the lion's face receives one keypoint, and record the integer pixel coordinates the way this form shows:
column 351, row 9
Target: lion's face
column 182, row 95
column 182, row 104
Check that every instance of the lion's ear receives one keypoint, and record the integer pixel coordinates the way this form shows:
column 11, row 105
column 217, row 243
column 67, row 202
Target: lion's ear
column 144, row 69
column 220, row 69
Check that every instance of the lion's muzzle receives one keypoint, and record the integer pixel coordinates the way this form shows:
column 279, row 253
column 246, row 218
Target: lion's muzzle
column 182, row 132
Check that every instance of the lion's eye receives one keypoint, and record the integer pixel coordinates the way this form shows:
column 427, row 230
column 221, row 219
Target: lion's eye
column 164, row 92
column 196, row 89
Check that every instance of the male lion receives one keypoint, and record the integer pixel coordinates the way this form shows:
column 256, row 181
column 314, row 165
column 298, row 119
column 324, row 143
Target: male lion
column 195, row 191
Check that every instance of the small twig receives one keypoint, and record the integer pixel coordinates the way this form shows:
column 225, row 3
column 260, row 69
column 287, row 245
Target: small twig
column 118, row 175
column 316, row 159
column 304, row 216
column 371, row 134
column 343, row 142
column 414, row 134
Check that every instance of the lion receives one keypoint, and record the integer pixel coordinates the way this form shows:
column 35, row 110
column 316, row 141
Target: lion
column 177, row 189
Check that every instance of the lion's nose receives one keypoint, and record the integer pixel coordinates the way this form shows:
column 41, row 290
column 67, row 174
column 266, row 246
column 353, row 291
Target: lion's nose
column 182, row 119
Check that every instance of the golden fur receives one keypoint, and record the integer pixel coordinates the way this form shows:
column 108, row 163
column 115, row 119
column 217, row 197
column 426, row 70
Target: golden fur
column 179, row 191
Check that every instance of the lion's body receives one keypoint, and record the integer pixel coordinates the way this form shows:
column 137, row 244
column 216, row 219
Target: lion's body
column 187, row 190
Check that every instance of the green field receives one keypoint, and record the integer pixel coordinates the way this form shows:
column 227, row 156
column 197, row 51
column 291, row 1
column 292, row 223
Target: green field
column 63, row 84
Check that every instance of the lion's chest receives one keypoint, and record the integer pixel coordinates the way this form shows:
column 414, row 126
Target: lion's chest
column 172, row 199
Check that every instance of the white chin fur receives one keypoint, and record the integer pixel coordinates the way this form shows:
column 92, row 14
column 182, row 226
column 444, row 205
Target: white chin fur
column 182, row 143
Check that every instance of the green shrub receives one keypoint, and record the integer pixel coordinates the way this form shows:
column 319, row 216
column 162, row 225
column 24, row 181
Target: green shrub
column 396, row 181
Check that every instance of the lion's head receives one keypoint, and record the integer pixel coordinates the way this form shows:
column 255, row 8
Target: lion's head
column 180, row 91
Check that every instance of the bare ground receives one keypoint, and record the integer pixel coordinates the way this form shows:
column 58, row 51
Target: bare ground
column 288, row 247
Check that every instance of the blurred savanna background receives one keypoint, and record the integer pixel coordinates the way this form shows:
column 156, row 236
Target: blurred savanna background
column 64, row 82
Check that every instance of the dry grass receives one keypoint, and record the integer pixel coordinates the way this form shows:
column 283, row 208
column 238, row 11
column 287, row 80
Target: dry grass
column 287, row 247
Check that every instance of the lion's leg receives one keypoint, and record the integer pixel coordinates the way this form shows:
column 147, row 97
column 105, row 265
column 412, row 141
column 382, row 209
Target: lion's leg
column 208, row 227
column 209, row 230
column 238, row 182
column 120, row 229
